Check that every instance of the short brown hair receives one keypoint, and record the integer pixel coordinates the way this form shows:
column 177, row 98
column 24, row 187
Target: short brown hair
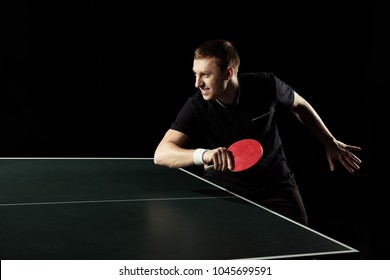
column 222, row 50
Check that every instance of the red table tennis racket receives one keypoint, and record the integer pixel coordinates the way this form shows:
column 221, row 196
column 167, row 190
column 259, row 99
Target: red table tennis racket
column 245, row 152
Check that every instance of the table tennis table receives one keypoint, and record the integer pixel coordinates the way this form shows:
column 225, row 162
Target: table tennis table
column 132, row 209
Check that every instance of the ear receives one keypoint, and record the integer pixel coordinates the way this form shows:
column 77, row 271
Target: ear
column 230, row 73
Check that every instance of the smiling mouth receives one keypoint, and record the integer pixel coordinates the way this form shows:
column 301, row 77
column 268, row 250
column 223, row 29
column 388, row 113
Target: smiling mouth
column 204, row 91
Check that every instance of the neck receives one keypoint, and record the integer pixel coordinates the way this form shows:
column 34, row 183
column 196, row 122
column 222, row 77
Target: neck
column 231, row 92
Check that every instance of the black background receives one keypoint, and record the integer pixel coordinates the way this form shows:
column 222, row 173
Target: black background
column 106, row 79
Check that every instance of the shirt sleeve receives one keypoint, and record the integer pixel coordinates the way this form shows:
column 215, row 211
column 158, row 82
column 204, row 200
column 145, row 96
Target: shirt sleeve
column 185, row 120
column 284, row 94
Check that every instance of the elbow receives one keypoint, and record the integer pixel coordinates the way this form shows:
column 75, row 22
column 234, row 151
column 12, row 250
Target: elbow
column 157, row 159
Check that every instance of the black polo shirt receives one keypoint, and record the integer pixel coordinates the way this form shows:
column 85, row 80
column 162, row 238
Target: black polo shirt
column 253, row 116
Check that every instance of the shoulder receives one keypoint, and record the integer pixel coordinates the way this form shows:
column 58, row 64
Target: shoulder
column 195, row 102
column 258, row 81
column 256, row 76
column 196, row 99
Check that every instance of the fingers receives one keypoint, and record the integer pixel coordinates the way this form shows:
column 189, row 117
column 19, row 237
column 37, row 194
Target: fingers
column 345, row 156
column 221, row 159
column 347, row 166
column 330, row 161
column 352, row 162
column 353, row 148
column 230, row 160
column 349, row 160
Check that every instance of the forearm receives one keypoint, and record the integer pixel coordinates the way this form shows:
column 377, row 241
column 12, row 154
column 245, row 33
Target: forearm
column 171, row 155
column 310, row 118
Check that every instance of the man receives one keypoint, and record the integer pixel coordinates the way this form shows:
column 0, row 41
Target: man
column 229, row 106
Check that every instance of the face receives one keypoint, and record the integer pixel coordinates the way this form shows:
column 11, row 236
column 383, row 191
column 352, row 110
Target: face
column 209, row 78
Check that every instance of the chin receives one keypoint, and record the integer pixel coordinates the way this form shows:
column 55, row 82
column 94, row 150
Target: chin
column 206, row 97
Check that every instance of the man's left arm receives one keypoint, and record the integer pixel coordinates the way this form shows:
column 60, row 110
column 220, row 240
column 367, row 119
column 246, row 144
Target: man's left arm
column 335, row 149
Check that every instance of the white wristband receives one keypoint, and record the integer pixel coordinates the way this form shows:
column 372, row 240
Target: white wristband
column 198, row 156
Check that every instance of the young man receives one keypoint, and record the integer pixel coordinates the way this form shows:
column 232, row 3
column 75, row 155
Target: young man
column 229, row 106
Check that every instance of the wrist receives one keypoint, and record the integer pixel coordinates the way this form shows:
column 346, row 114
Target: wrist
column 198, row 156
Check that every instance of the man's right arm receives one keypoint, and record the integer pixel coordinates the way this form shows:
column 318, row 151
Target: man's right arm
column 171, row 152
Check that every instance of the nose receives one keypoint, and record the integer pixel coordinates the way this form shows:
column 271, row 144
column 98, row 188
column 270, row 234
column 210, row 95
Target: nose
column 198, row 82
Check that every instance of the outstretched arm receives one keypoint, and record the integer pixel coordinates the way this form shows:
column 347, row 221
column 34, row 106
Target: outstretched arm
column 171, row 152
column 335, row 149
